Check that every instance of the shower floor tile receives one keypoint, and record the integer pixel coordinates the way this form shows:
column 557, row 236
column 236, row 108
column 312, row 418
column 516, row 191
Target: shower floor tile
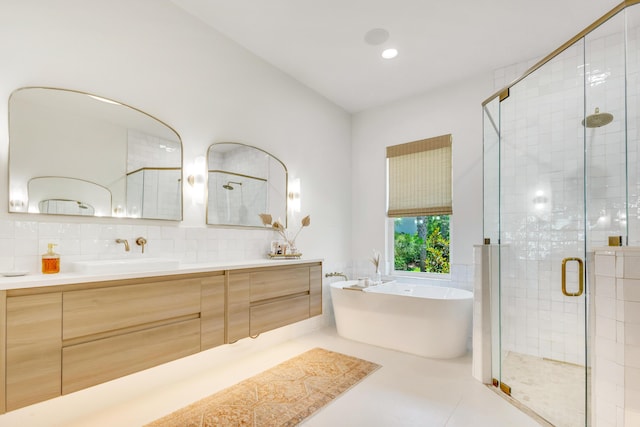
column 554, row 390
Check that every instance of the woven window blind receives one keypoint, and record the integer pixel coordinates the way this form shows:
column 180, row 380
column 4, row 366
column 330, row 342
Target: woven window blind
column 419, row 178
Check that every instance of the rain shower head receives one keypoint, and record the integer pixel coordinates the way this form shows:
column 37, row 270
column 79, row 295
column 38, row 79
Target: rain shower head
column 228, row 185
column 597, row 119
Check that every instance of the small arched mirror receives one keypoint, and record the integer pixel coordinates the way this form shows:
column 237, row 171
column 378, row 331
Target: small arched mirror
column 74, row 153
column 243, row 182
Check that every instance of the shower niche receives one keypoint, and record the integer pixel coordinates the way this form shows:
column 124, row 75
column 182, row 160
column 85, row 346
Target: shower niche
column 561, row 177
column 243, row 182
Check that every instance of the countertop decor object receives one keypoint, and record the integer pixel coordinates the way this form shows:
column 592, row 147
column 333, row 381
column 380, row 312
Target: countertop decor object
column 375, row 260
column 289, row 250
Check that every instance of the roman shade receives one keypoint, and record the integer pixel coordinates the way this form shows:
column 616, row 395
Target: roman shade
column 419, row 178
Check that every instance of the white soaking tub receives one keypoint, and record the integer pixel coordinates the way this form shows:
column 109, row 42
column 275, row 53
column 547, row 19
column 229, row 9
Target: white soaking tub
column 430, row 321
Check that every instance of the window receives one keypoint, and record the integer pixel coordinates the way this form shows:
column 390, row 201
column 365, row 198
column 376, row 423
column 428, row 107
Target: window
column 419, row 201
column 421, row 244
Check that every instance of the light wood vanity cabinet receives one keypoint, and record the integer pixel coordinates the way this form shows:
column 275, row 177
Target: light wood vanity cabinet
column 264, row 299
column 60, row 339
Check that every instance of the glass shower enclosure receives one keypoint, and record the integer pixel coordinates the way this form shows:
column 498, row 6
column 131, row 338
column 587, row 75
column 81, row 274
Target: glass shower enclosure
column 560, row 179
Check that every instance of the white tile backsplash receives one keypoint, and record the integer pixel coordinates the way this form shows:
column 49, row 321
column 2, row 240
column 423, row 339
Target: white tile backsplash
column 26, row 241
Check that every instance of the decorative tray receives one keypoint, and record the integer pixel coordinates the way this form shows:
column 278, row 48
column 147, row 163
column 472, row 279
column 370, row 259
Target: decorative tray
column 285, row 256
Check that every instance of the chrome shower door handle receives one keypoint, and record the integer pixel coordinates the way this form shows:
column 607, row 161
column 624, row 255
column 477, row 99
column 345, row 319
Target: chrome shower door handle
column 580, row 277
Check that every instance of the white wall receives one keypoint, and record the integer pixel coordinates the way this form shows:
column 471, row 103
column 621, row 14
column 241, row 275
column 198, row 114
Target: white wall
column 154, row 56
column 455, row 110
column 151, row 55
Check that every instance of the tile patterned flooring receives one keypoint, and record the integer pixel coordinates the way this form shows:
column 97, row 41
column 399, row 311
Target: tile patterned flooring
column 406, row 391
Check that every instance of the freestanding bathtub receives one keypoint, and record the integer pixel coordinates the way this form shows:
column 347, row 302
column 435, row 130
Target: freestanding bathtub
column 426, row 320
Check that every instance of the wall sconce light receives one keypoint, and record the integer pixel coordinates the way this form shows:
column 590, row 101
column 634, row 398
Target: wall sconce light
column 540, row 200
column 196, row 179
column 16, row 204
column 197, row 171
column 18, row 200
column 294, row 195
column 119, row 211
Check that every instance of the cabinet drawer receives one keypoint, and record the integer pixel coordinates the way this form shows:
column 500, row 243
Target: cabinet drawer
column 95, row 362
column 95, row 311
column 277, row 283
column 272, row 315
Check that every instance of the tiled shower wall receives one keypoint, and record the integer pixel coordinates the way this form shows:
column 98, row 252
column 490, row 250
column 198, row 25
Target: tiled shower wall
column 154, row 178
column 153, row 193
column 543, row 149
column 150, row 151
column 540, row 208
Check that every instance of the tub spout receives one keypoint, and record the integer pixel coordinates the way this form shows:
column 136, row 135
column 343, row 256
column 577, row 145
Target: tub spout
column 334, row 274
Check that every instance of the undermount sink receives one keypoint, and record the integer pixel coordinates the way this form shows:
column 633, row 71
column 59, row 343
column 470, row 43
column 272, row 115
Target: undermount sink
column 125, row 265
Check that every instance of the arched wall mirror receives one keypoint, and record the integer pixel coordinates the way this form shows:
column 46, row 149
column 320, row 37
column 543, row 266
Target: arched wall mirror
column 74, row 153
column 243, row 182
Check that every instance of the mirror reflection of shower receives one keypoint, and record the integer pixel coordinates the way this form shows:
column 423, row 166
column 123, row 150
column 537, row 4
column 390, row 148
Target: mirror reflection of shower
column 228, row 185
column 242, row 210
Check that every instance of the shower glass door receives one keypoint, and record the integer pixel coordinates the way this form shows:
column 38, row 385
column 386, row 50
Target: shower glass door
column 543, row 299
column 564, row 167
column 561, row 178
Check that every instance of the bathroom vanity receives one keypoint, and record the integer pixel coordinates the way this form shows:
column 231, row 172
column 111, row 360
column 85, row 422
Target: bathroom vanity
column 71, row 332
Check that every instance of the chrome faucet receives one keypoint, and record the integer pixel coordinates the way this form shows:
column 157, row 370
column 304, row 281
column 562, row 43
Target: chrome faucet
column 334, row 274
column 126, row 244
column 141, row 241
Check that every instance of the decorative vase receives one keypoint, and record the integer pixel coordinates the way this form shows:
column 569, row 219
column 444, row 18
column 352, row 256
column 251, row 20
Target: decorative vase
column 293, row 250
column 377, row 277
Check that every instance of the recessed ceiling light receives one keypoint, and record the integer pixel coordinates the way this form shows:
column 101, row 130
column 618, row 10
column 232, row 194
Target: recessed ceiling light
column 389, row 53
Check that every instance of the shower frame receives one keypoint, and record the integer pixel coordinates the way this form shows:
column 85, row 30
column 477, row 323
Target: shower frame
column 508, row 138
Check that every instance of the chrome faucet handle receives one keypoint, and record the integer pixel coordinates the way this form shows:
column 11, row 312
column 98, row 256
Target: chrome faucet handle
column 141, row 241
column 126, row 243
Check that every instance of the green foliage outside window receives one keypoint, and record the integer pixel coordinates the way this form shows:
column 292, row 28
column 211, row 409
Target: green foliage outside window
column 422, row 244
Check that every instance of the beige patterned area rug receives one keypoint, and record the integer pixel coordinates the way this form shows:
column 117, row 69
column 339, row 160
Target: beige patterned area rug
column 281, row 396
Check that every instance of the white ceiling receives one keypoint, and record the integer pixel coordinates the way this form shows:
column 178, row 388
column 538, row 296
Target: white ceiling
column 321, row 42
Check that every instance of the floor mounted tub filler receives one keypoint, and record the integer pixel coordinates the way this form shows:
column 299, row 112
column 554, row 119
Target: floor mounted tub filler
column 426, row 320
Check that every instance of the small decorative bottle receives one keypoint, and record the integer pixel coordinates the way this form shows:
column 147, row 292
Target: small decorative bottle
column 50, row 261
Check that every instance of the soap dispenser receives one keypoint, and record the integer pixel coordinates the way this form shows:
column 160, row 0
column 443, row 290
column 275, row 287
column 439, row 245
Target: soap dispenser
column 50, row 260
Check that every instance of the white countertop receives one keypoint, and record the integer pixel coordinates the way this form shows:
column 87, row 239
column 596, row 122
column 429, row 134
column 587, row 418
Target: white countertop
column 39, row 279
